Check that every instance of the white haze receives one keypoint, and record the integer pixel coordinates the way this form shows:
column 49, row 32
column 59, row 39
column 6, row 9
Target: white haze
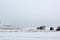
column 30, row 13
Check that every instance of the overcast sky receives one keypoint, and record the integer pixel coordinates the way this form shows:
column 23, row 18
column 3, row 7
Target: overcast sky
column 27, row 13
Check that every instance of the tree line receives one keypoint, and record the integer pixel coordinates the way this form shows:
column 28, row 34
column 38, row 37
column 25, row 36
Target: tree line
column 51, row 28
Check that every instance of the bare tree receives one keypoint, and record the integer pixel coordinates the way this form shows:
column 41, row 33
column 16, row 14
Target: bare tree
column 51, row 28
column 41, row 27
column 58, row 29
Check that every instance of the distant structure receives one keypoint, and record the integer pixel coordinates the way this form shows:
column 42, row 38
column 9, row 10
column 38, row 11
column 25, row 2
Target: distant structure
column 0, row 22
column 8, row 27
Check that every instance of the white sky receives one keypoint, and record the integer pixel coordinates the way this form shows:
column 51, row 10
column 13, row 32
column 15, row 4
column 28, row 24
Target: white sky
column 30, row 12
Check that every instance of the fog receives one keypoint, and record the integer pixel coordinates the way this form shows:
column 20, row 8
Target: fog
column 30, row 13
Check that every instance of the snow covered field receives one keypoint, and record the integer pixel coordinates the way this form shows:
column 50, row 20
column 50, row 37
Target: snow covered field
column 29, row 35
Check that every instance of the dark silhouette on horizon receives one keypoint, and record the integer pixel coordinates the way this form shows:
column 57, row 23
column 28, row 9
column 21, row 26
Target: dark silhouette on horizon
column 51, row 28
column 58, row 29
column 41, row 28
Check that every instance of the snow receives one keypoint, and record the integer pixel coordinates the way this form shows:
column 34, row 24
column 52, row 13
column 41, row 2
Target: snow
column 29, row 35
column 28, row 29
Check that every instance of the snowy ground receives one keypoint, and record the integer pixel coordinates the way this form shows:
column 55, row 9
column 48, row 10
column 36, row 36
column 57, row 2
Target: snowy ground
column 29, row 35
